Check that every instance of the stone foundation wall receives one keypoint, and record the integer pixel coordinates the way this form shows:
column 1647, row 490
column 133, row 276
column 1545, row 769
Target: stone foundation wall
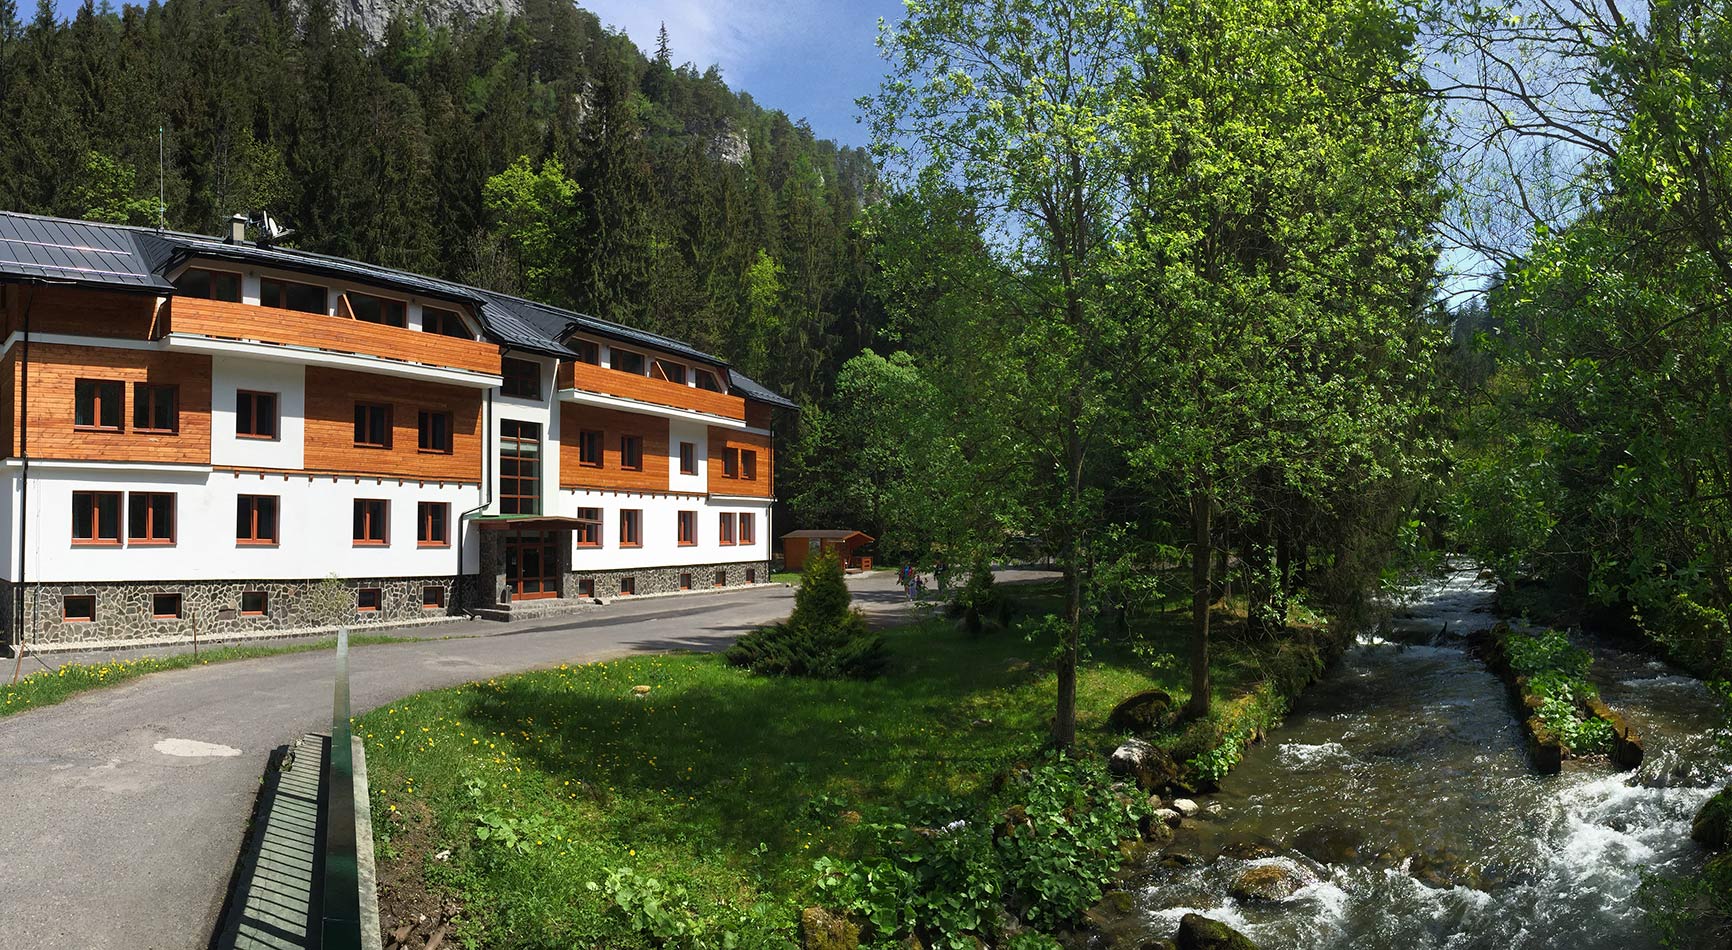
column 666, row 580
column 124, row 610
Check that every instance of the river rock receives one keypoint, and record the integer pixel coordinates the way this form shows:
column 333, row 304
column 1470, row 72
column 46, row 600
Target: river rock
column 1142, row 762
column 1141, row 714
column 1168, row 817
column 1185, row 807
column 1441, row 870
column 1266, row 883
column 1712, row 826
column 1249, row 850
column 821, row 929
column 1329, row 844
column 1197, row 932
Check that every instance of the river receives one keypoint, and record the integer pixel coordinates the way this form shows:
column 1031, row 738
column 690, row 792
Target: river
column 1399, row 789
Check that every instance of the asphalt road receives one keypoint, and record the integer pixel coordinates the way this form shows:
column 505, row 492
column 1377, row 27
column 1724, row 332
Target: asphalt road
column 113, row 835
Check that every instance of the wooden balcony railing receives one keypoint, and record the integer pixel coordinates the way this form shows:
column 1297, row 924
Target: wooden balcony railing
column 236, row 321
column 612, row 382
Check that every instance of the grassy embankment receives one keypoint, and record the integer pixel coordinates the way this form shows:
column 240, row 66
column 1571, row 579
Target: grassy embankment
column 712, row 795
column 47, row 687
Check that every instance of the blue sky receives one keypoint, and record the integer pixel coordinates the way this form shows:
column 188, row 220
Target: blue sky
column 808, row 58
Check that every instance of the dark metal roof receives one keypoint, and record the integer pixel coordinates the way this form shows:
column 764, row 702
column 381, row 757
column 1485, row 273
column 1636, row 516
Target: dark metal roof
column 121, row 256
column 750, row 389
column 92, row 255
column 826, row 534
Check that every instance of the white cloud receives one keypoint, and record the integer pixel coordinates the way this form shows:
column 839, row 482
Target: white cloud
column 734, row 34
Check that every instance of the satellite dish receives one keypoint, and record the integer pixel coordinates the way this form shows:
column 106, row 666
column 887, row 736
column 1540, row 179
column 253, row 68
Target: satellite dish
column 270, row 232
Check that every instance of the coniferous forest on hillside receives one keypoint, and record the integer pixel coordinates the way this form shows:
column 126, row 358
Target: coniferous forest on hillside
column 539, row 154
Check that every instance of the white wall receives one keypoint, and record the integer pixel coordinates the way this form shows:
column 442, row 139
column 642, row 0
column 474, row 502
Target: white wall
column 661, row 547
column 231, row 374
column 315, row 528
column 698, row 434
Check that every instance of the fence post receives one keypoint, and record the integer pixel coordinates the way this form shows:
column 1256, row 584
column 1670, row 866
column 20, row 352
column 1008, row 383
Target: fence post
column 340, row 927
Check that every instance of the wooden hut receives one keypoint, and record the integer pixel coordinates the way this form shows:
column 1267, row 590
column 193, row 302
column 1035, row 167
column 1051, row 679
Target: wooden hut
column 796, row 545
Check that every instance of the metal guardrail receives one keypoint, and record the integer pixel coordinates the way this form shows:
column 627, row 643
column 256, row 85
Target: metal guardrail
column 340, row 911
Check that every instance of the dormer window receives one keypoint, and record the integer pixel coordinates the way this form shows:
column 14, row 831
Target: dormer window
column 628, row 362
column 706, row 380
column 522, row 378
column 588, row 351
column 668, row 370
column 209, row 284
column 444, row 323
column 288, row 295
column 370, row 309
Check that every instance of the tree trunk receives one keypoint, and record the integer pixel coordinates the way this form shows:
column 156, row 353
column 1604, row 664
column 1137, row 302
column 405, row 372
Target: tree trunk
column 1201, row 504
column 1064, row 722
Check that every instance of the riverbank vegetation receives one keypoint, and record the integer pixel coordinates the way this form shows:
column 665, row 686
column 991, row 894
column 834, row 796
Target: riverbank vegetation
column 702, row 800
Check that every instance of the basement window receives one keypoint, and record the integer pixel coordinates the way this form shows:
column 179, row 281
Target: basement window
column 78, row 609
column 165, row 606
column 255, row 603
column 685, row 582
column 627, row 586
column 368, row 599
column 432, row 598
column 586, row 587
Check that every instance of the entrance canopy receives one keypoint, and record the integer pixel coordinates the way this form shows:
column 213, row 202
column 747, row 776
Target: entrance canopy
column 525, row 522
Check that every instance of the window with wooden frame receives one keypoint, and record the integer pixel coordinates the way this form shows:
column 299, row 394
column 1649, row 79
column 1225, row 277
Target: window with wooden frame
column 209, row 284
column 587, row 534
column 522, row 378
column 586, row 587
column 155, row 408
column 721, row 579
column 626, row 361
column 96, row 517
column 78, row 608
column 706, row 380
column 383, row 310
column 631, row 528
column 748, row 528
column 685, row 581
column 433, row 524
column 688, row 458
column 369, row 599
column 372, row 426
column 668, row 370
column 726, row 535
column 751, row 575
column 627, row 586
column 150, row 518
column 589, row 448
column 255, row 415
column 435, row 432
column 730, row 462
column 688, row 528
column 372, row 521
column 631, row 453
column 432, row 598
column 98, row 404
column 444, row 323
column 519, row 468
column 165, row 606
column 290, row 295
column 256, row 519
column 588, row 351
column 748, row 465
column 255, row 603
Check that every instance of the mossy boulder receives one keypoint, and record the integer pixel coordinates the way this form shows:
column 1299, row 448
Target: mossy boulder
column 1712, row 827
column 821, row 929
column 1266, row 883
column 1141, row 714
column 1150, row 766
column 1197, row 932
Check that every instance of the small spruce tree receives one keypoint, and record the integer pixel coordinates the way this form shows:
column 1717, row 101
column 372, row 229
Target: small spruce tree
column 825, row 637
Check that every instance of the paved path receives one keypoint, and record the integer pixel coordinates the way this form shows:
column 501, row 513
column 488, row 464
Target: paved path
column 105, row 841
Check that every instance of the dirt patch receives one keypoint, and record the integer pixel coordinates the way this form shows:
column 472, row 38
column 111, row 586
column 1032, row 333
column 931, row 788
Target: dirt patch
column 414, row 914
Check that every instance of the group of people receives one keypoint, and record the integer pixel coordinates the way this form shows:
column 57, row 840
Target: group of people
column 914, row 582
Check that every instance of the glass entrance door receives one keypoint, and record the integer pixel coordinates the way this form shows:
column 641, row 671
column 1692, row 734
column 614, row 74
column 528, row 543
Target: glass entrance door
column 532, row 564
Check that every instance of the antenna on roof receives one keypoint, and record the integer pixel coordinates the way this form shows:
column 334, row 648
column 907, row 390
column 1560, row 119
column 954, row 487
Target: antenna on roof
column 270, row 232
column 161, row 189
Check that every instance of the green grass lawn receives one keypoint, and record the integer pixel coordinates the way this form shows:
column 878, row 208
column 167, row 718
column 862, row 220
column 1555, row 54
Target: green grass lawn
column 721, row 783
column 47, row 687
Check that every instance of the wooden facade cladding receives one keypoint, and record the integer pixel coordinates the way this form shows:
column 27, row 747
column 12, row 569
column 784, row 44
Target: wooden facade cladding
column 721, row 440
column 239, row 321
column 612, row 382
column 54, row 370
column 330, row 426
column 611, row 475
column 80, row 312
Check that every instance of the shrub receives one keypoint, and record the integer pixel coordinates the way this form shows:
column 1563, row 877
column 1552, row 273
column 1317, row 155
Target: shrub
column 977, row 596
column 824, row 638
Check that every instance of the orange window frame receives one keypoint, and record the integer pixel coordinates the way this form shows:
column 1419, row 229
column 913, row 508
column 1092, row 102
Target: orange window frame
column 433, row 524
column 368, row 417
column 103, row 394
column 133, row 502
column 249, row 507
column 631, row 453
column 434, row 435
column 147, row 398
column 688, row 458
column 372, row 526
column 688, row 528
column 748, row 528
column 156, row 613
column 587, row 534
column 589, row 447
column 256, row 402
column 726, row 536
column 92, row 502
column 631, row 527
